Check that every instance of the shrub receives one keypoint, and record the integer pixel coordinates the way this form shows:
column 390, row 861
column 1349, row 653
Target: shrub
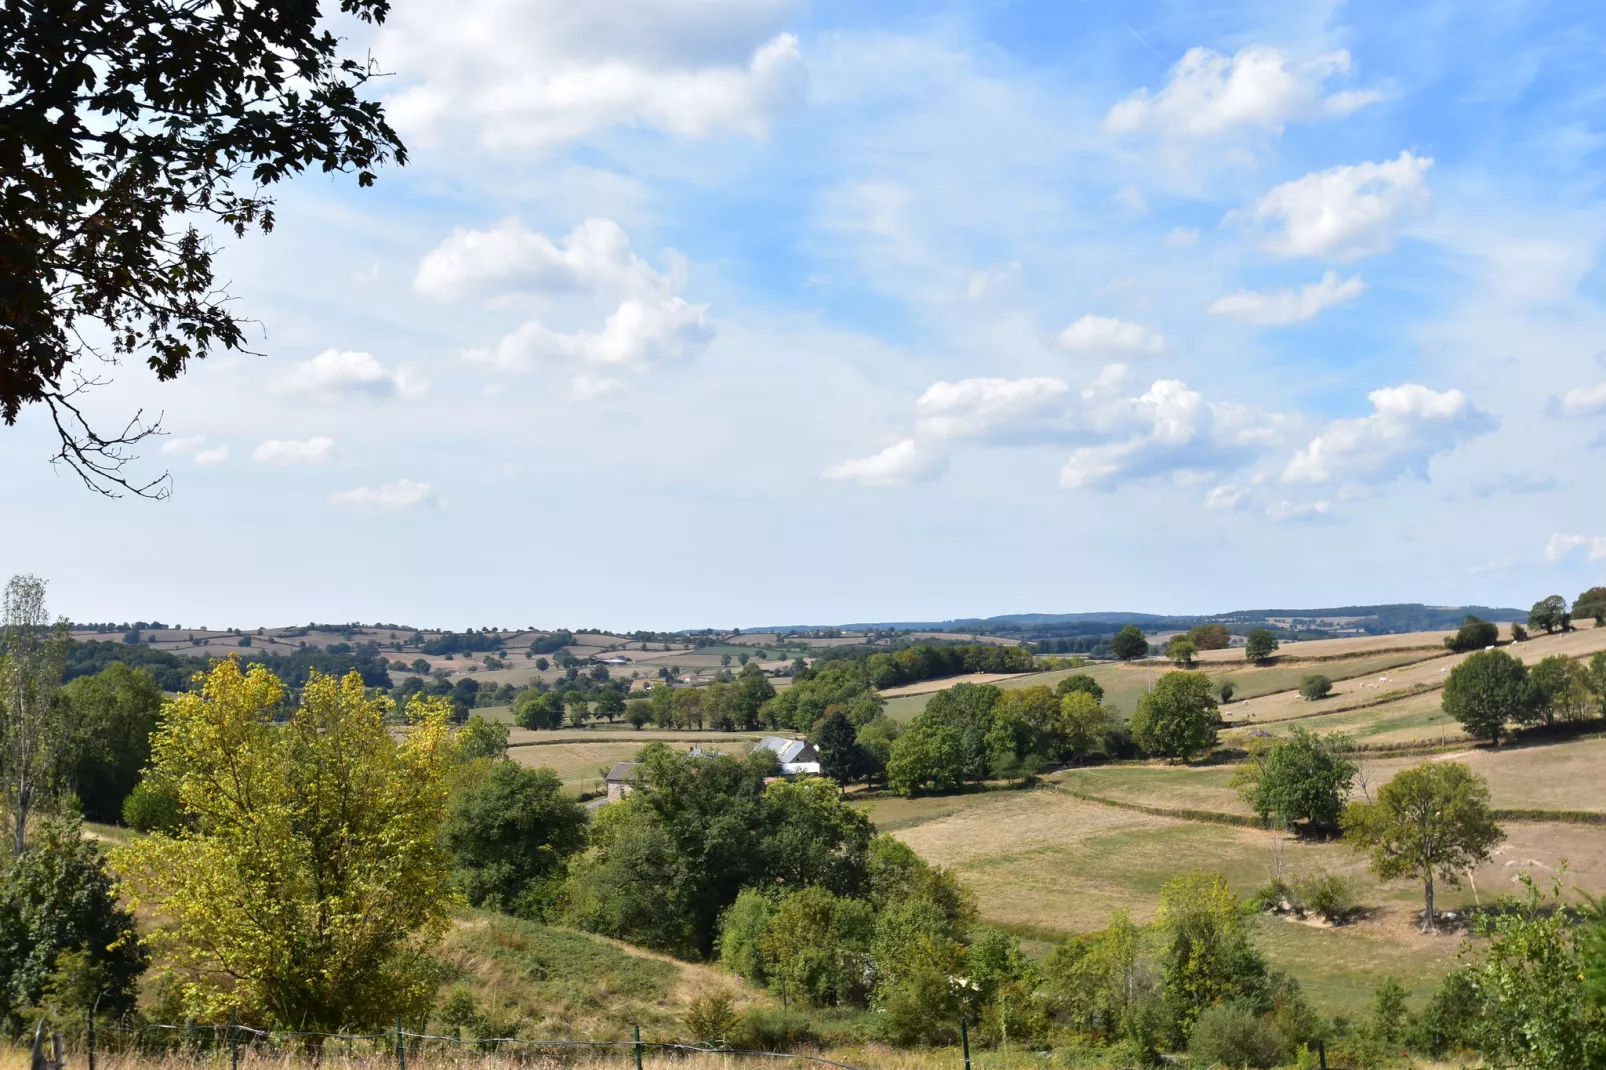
column 1315, row 686
column 148, row 810
column 1327, row 895
column 1474, row 634
column 1230, row 1035
column 1228, row 689
column 711, row 1018
column 771, row 1029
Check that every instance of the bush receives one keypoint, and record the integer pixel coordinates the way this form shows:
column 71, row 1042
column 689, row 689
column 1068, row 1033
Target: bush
column 1230, row 1035
column 1474, row 634
column 1228, row 689
column 1327, row 895
column 148, row 810
column 771, row 1029
column 1315, row 686
column 711, row 1018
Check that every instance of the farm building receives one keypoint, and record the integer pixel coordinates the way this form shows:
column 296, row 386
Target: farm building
column 621, row 780
column 797, row 756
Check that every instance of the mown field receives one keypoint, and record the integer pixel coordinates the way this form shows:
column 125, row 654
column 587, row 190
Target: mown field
column 582, row 757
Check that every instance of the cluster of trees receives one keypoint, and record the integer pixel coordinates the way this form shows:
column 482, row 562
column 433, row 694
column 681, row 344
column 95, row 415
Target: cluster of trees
column 1491, row 692
column 927, row 661
column 469, row 642
column 738, row 702
column 970, row 732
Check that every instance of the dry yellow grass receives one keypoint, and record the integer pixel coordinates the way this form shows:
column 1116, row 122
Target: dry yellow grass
column 926, row 687
column 1346, row 647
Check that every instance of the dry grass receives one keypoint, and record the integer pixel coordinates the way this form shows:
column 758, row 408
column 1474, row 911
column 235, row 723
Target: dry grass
column 1349, row 646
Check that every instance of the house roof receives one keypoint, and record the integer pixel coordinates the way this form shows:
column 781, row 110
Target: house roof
column 790, row 751
column 622, row 772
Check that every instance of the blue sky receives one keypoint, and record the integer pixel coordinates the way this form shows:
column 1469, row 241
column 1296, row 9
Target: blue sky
column 733, row 312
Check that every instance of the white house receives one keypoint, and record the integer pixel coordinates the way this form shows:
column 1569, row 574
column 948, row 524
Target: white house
column 798, row 756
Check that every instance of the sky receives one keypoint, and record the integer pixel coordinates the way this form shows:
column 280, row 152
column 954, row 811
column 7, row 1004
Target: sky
column 692, row 313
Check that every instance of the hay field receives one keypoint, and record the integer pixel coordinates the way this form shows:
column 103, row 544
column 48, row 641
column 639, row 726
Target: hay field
column 927, row 687
column 1049, row 861
column 1346, row 647
column 580, row 759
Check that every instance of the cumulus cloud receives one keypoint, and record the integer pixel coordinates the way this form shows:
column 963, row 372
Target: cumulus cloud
column 1285, row 510
column 341, row 375
column 213, row 457
column 638, row 334
column 1583, row 401
column 1000, row 409
column 1169, row 430
column 1410, row 424
column 1111, row 334
column 1225, row 496
column 1344, row 213
column 1279, row 307
column 543, row 72
column 294, row 451
column 1561, row 546
column 509, row 258
column 402, row 494
column 177, row 447
column 901, row 462
column 1209, row 93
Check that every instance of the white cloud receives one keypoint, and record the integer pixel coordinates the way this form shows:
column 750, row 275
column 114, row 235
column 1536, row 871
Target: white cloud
column 538, row 73
column 1170, row 423
column 1584, row 400
column 294, row 451
column 338, row 375
column 639, row 334
column 1225, row 496
column 1131, row 198
column 901, row 462
column 1409, row 425
column 213, row 457
column 1561, row 546
column 1287, row 510
column 1278, row 307
column 990, row 408
column 1108, row 333
column 402, row 494
column 594, row 257
column 179, row 446
column 992, row 279
column 1209, row 93
column 1181, row 237
column 1344, row 213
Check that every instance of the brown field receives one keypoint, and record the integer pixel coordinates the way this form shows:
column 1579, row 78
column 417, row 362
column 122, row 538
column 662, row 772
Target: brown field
column 927, row 687
column 1346, row 647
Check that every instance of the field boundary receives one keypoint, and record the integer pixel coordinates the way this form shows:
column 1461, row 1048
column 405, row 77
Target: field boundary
column 1386, row 699
column 1214, row 817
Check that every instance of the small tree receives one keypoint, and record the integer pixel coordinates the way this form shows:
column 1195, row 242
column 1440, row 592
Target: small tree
column 1475, row 633
column 1083, row 724
column 1486, row 691
column 1209, row 960
column 508, row 830
column 1182, row 652
column 1430, row 821
column 1129, row 644
column 1178, row 718
column 1561, row 689
column 1315, row 687
column 1261, row 645
column 1302, row 779
column 1080, row 681
column 1210, row 636
column 838, row 743
column 33, row 730
column 638, row 713
column 927, row 757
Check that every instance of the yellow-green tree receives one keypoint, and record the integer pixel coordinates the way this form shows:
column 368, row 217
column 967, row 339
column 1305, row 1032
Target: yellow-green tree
column 307, row 882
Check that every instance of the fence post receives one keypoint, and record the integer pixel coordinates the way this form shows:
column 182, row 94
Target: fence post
column 964, row 1039
column 234, row 1039
column 36, row 1061
column 638, row 1047
column 55, row 1051
column 1321, row 1053
column 89, row 1039
column 401, row 1046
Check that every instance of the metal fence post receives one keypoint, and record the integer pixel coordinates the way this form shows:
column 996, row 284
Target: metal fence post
column 638, row 1047
column 401, row 1046
column 1321, row 1053
column 234, row 1039
column 89, row 1039
column 964, row 1039
column 55, row 1051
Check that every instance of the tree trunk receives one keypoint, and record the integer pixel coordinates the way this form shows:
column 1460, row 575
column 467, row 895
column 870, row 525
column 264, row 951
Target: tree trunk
column 1427, row 918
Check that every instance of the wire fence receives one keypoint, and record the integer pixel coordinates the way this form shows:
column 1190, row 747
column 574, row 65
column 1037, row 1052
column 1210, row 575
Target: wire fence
column 104, row 1046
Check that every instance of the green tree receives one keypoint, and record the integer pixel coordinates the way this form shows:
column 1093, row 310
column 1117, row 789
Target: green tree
column 34, row 736
column 124, row 127
column 1209, row 959
column 875, row 745
column 1561, row 689
column 1315, row 687
column 1550, row 613
column 927, row 757
column 58, row 906
column 1475, row 633
column 838, row 743
column 1181, row 651
column 509, row 830
column 113, row 714
column 309, row 882
column 1084, row 724
column 1430, row 822
column 1486, row 692
column 741, row 935
column 1178, row 718
column 1597, row 679
column 1261, row 645
column 480, row 738
column 536, row 710
column 1080, row 681
column 578, row 709
column 610, row 703
column 638, row 713
column 817, row 945
column 968, row 709
column 1301, row 779
column 1129, row 644
column 1591, row 605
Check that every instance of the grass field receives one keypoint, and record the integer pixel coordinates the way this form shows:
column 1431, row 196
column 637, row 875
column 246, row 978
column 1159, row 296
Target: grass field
column 1046, row 860
column 581, row 758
